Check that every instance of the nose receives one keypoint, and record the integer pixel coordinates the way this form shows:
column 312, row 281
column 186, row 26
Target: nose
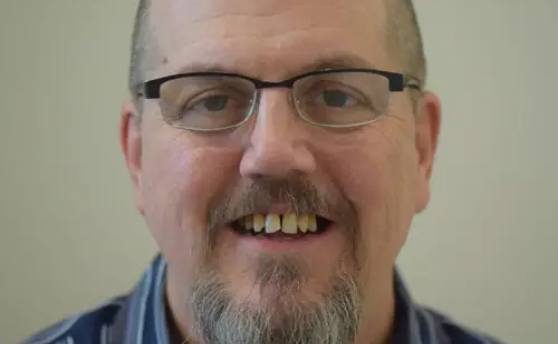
column 278, row 144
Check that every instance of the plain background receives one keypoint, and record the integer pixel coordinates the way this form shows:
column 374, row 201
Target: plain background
column 484, row 252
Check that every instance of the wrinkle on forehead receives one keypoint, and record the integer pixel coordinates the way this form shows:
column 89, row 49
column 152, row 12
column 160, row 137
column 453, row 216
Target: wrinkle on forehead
column 329, row 60
column 198, row 10
column 252, row 34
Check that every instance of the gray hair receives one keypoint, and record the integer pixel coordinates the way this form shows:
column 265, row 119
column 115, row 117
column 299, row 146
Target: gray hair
column 281, row 320
column 139, row 48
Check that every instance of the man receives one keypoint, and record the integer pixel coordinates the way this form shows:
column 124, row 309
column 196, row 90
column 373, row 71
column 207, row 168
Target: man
column 279, row 150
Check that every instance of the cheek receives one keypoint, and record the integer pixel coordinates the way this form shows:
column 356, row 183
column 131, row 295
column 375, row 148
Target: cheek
column 378, row 174
column 179, row 178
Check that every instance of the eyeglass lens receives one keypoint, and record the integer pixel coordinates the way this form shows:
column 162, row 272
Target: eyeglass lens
column 219, row 102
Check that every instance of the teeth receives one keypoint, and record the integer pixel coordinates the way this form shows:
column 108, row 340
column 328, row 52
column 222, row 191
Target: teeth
column 248, row 222
column 272, row 223
column 312, row 223
column 259, row 223
column 289, row 224
column 303, row 223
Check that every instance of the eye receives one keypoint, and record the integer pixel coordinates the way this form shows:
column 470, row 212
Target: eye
column 212, row 103
column 215, row 101
column 336, row 98
column 332, row 95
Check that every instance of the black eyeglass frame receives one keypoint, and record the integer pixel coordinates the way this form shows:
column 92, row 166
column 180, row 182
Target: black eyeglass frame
column 397, row 83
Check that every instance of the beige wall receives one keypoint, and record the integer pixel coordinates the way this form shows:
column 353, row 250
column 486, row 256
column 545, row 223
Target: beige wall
column 484, row 251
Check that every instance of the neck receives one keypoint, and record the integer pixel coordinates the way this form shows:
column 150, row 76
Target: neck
column 378, row 315
column 177, row 316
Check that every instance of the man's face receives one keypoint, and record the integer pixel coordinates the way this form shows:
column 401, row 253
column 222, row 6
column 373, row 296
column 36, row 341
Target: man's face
column 366, row 182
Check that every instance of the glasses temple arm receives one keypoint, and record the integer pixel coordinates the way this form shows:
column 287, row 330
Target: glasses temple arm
column 412, row 82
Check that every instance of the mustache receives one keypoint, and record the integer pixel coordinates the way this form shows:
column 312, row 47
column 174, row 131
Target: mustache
column 296, row 193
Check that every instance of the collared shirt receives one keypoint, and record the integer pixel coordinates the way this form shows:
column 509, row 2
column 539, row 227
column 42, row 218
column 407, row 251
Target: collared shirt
column 140, row 318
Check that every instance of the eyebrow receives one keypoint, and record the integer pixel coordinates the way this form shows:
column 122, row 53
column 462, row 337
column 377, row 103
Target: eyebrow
column 332, row 60
column 337, row 60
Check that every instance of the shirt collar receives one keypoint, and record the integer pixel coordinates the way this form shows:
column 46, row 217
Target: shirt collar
column 406, row 326
column 147, row 322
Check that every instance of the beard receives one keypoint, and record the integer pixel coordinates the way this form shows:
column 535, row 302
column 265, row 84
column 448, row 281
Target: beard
column 283, row 313
column 282, row 316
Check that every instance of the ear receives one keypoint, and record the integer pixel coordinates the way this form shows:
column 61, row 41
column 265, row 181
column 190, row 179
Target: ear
column 130, row 143
column 427, row 129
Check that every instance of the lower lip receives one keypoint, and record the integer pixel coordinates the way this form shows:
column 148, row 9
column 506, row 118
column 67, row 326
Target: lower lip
column 285, row 243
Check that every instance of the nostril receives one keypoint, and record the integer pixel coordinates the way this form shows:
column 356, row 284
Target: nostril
column 277, row 162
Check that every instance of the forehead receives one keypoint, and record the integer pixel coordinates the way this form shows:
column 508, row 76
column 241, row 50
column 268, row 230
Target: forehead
column 266, row 38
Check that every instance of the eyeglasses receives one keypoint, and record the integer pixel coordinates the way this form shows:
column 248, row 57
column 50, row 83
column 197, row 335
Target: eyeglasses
column 336, row 98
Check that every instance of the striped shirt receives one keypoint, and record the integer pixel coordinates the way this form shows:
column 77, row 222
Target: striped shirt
column 140, row 318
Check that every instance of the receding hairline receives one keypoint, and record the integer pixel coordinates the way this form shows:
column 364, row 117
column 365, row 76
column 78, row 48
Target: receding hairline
column 139, row 44
column 404, row 42
column 404, row 38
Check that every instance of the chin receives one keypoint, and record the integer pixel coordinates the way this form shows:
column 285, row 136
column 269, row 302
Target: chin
column 282, row 300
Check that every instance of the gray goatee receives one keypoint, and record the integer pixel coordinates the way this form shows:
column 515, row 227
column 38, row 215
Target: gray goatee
column 280, row 318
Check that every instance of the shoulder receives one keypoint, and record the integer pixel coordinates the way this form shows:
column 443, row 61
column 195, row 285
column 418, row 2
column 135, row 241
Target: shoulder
column 87, row 327
column 445, row 330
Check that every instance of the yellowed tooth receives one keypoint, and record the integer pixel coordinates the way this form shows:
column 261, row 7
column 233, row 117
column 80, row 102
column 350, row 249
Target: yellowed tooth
column 312, row 223
column 289, row 225
column 259, row 223
column 303, row 222
column 272, row 223
column 248, row 222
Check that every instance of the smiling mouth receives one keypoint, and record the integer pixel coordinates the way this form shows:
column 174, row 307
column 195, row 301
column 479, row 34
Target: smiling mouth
column 284, row 226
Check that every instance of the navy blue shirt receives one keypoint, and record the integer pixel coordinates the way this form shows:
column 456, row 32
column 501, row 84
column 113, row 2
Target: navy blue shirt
column 140, row 318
